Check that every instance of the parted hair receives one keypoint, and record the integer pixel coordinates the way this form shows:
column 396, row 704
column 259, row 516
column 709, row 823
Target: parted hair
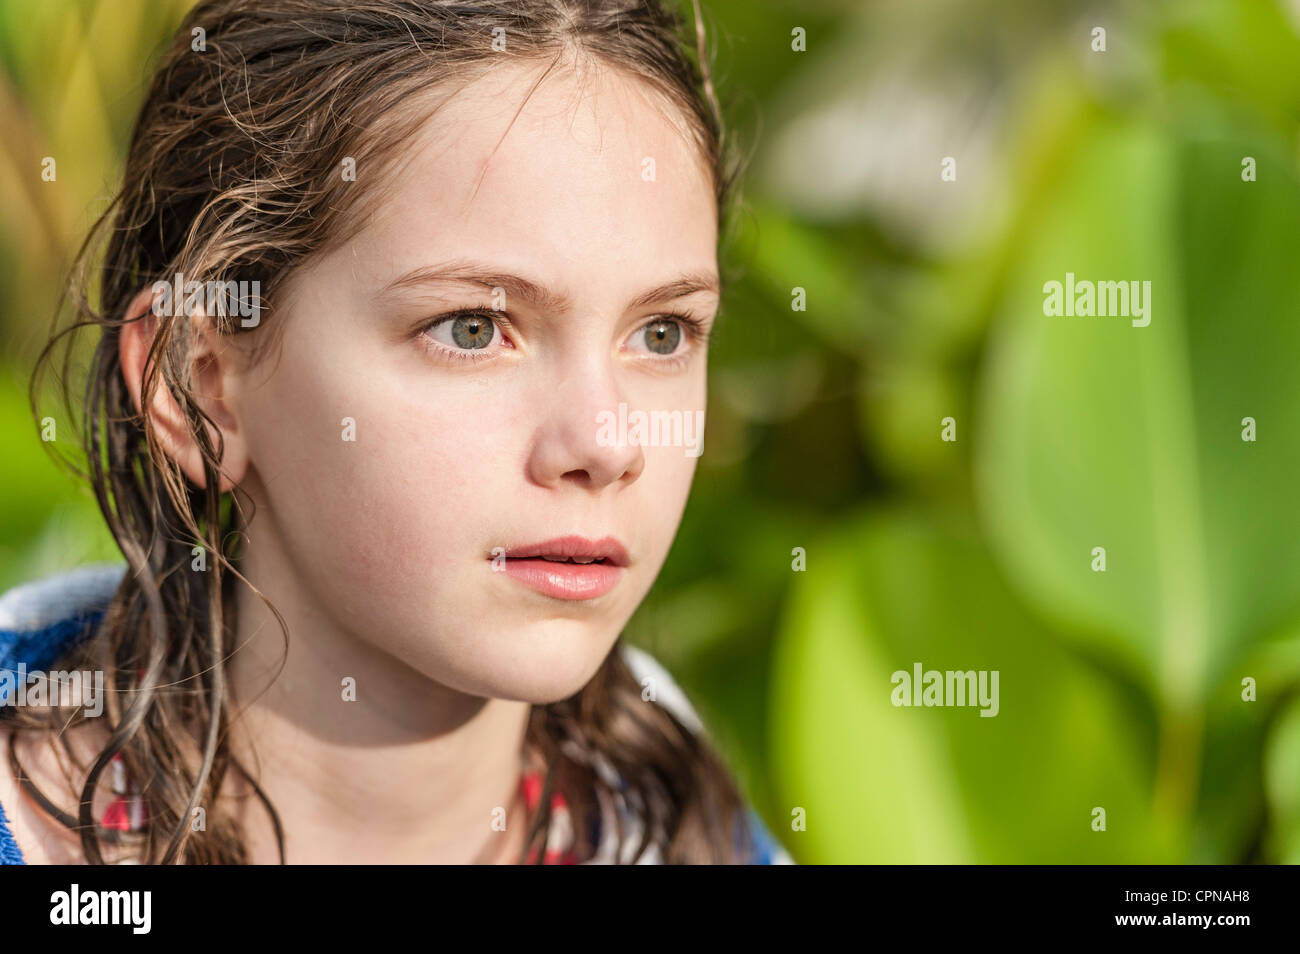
column 232, row 173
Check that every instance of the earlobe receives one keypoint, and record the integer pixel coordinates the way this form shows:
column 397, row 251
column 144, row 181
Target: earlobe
column 207, row 370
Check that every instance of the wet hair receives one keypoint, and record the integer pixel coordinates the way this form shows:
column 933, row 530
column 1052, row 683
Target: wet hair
column 233, row 174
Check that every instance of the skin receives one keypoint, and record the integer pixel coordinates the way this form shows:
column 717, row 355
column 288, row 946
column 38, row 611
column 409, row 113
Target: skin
column 376, row 552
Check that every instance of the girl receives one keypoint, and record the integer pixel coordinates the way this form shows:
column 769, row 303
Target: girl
column 379, row 277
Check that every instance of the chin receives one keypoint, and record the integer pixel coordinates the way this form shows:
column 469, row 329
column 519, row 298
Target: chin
column 539, row 688
column 547, row 662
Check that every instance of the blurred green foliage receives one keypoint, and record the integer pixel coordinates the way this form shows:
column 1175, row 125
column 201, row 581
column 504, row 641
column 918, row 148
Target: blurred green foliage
column 1120, row 690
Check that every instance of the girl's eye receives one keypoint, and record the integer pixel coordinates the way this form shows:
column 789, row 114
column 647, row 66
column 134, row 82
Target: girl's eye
column 668, row 336
column 662, row 337
column 471, row 331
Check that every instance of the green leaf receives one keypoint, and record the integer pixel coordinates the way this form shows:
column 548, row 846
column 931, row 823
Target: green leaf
column 1095, row 433
column 1282, row 783
column 899, row 784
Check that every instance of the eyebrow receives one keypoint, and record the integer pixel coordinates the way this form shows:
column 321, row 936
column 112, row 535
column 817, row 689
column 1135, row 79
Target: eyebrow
column 537, row 295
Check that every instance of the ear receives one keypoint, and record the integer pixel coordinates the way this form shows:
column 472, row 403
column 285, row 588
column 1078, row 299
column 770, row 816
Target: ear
column 211, row 360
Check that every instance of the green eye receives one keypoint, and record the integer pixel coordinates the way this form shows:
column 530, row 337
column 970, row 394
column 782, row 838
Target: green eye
column 470, row 332
column 662, row 337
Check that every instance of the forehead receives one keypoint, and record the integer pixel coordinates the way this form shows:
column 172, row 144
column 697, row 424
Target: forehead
column 586, row 170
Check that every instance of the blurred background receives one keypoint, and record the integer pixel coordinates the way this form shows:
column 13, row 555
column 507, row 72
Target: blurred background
column 1121, row 690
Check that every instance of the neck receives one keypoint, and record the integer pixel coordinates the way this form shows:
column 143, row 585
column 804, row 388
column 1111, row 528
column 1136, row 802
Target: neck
column 365, row 759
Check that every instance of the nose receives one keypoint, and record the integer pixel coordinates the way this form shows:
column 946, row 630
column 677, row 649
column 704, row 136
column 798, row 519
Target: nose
column 570, row 443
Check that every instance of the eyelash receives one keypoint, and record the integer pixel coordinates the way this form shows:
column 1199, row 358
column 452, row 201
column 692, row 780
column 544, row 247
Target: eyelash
column 697, row 332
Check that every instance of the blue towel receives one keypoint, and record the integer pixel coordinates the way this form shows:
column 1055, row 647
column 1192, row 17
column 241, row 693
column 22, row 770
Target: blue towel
column 41, row 621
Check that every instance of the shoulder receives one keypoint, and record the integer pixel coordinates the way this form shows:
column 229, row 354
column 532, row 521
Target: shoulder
column 767, row 850
column 664, row 688
column 39, row 621
column 667, row 693
column 10, row 854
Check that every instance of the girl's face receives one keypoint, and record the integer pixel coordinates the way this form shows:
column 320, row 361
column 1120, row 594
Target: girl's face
column 390, row 459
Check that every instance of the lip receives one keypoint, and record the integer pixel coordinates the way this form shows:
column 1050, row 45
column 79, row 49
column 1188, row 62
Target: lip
column 568, row 581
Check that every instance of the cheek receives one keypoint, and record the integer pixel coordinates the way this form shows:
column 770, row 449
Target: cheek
column 377, row 476
column 652, row 507
column 660, row 496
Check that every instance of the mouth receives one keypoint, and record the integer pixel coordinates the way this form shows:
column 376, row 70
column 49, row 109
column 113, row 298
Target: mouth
column 567, row 568
column 572, row 550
